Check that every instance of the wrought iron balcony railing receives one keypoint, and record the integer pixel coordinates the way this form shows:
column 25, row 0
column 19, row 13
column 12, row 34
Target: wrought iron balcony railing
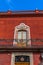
column 14, row 48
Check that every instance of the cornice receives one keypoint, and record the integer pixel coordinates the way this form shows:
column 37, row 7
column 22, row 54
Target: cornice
column 30, row 13
column 11, row 48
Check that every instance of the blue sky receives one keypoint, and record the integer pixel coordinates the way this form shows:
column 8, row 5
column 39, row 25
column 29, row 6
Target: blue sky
column 15, row 5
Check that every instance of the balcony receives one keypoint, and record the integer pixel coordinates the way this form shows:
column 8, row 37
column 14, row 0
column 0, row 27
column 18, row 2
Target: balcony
column 14, row 48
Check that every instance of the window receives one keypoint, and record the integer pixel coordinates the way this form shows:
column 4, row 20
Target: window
column 22, row 58
column 22, row 36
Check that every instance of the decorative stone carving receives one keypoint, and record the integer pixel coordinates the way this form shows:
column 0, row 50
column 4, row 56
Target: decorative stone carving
column 22, row 26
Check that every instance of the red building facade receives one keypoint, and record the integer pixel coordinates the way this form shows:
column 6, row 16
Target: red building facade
column 33, row 20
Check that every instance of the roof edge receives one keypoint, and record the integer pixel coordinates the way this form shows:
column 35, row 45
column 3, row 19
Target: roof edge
column 20, row 12
column 27, row 13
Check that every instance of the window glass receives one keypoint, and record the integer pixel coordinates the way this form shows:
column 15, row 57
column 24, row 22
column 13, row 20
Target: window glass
column 22, row 36
column 19, row 35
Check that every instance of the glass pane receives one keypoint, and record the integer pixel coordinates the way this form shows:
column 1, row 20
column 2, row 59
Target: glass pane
column 24, row 35
column 19, row 35
column 22, row 58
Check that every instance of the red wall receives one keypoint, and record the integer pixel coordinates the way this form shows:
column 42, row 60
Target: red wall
column 7, row 26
